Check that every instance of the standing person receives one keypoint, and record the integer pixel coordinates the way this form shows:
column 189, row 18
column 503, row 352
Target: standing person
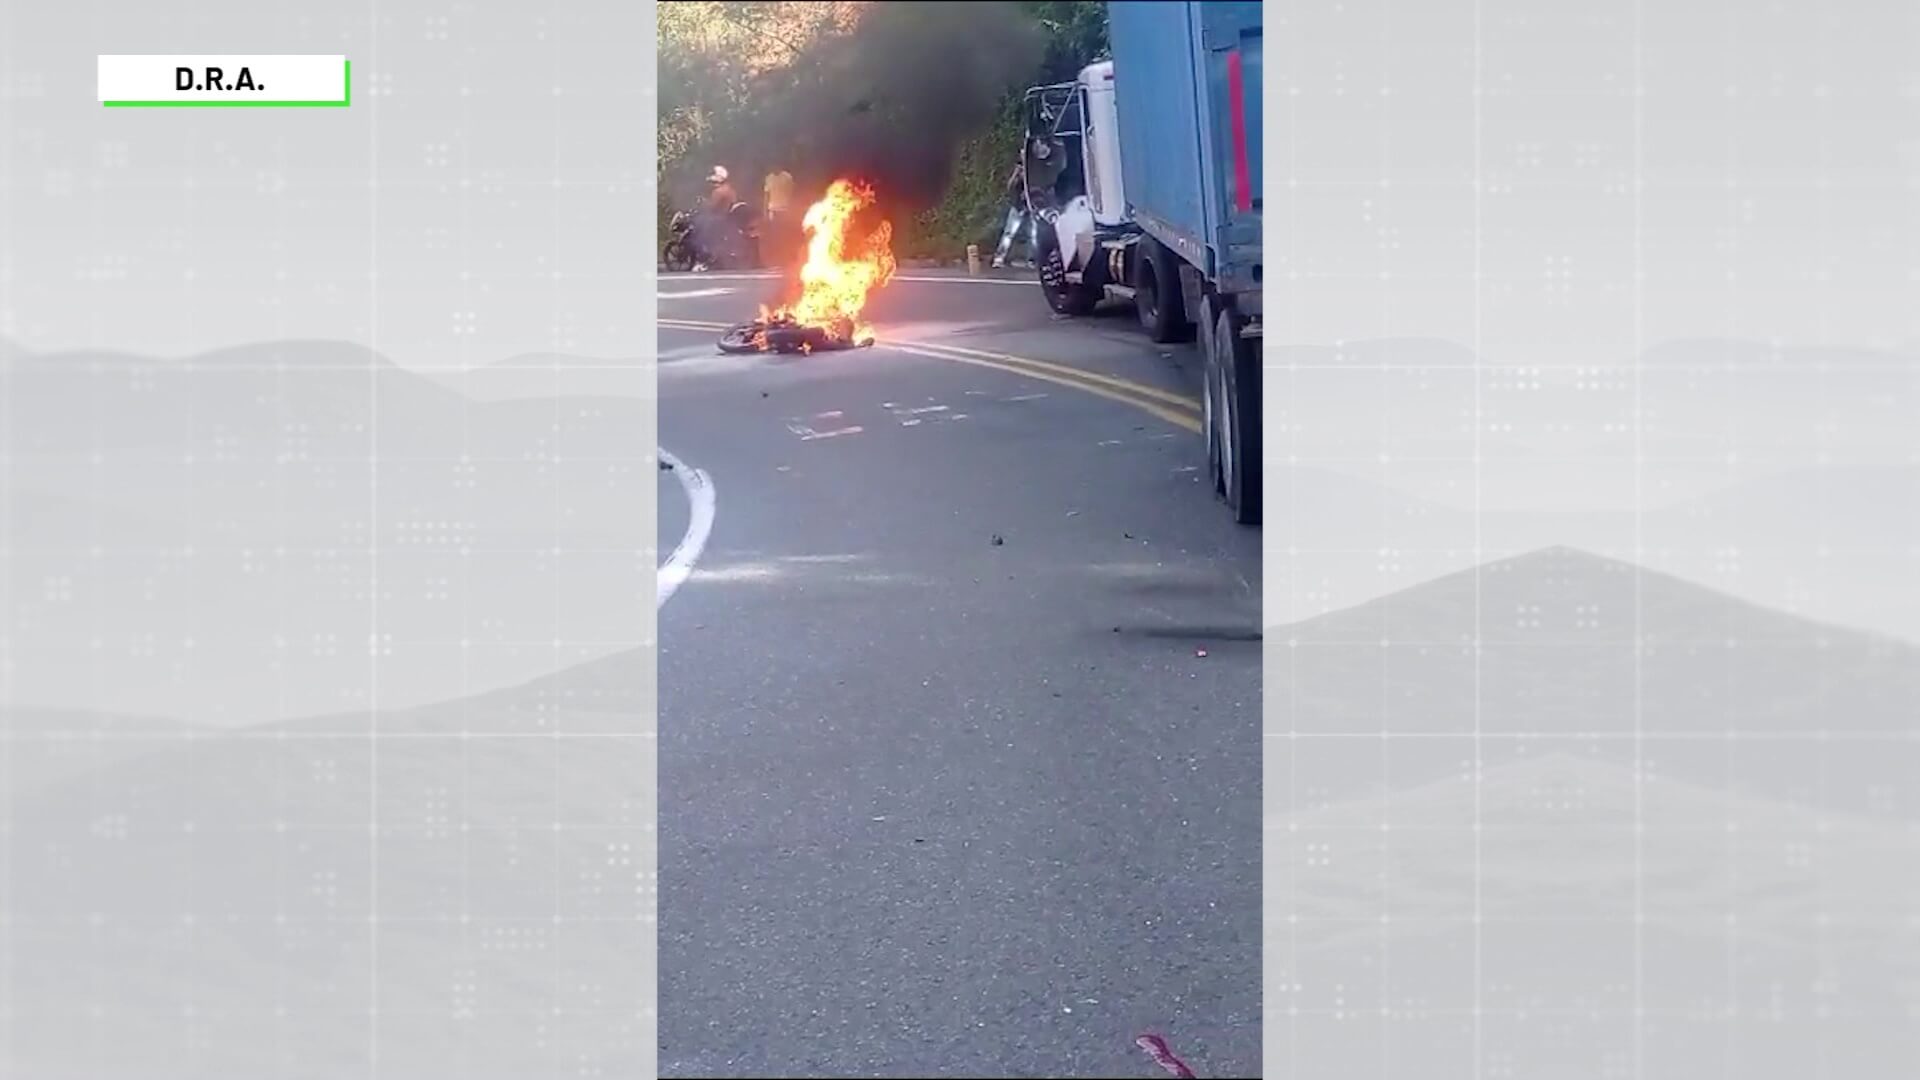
column 778, row 192
column 718, row 237
column 1017, row 213
column 720, row 193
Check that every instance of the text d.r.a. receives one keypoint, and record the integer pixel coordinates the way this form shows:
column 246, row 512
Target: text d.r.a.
column 215, row 79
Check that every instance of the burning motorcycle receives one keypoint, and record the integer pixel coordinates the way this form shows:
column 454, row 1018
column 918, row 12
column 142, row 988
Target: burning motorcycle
column 780, row 332
column 842, row 268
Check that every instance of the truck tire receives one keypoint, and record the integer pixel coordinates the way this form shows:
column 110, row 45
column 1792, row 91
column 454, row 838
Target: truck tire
column 1232, row 412
column 1209, row 396
column 1156, row 294
column 1063, row 296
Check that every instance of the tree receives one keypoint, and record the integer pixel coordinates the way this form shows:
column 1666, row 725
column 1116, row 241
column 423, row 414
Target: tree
column 1076, row 35
column 920, row 97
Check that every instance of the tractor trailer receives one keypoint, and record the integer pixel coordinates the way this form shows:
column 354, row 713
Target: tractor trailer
column 1144, row 176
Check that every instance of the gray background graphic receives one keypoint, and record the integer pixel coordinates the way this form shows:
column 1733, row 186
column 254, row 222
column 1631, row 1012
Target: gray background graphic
column 1591, row 664
column 328, row 526
column 327, row 678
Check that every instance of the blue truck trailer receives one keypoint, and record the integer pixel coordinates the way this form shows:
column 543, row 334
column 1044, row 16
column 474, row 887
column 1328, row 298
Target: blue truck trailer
column 1144, row 174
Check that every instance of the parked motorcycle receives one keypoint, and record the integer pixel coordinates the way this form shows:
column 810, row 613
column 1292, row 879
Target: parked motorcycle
column 678, row 254
column 705, row 239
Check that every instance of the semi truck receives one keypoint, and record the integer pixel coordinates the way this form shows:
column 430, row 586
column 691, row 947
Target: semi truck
column 1143, row 174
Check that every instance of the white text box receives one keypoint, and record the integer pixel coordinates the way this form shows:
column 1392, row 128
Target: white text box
column 249, row 80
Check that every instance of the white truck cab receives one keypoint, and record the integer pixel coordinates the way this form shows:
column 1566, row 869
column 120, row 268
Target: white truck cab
column 1074, row 177
column 1075, row 188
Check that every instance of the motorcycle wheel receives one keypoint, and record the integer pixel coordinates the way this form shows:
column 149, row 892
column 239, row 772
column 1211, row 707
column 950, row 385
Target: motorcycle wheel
column 747, row 337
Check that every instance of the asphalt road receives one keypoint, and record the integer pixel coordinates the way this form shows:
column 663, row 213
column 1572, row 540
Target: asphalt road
column 959, row 703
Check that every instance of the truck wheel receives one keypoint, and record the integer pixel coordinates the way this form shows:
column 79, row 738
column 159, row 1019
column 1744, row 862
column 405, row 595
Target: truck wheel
column 1233, row 412
column 1156, row 295
column 1210, row 397
column 1063, row 296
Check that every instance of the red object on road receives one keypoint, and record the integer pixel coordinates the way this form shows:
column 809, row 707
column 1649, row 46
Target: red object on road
column 1156, row 1048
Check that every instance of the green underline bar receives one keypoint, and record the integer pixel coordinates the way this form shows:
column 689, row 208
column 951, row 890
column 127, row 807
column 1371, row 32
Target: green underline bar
column 201, row 103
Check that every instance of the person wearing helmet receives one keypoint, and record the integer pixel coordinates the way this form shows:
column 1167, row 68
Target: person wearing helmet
column 720, row 194
column 715, row 226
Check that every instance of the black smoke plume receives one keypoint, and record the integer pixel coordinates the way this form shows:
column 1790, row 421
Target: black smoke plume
column 890, row 102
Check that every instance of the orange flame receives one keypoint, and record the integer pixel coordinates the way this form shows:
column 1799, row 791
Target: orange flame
column 842, row 269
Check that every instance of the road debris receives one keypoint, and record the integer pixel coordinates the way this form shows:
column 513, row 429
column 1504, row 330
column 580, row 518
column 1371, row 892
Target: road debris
column 1156, row 1048
column 997, row 540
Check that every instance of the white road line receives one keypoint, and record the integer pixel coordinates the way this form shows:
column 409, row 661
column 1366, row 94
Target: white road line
column 700, row 498
column 834, row 434
column 692, row 293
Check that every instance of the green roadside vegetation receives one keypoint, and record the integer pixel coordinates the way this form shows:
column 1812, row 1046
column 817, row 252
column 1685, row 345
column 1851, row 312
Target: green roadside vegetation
column 923, row 96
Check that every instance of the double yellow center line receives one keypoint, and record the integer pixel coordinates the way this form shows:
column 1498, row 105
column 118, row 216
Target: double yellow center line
column 1176, row 409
